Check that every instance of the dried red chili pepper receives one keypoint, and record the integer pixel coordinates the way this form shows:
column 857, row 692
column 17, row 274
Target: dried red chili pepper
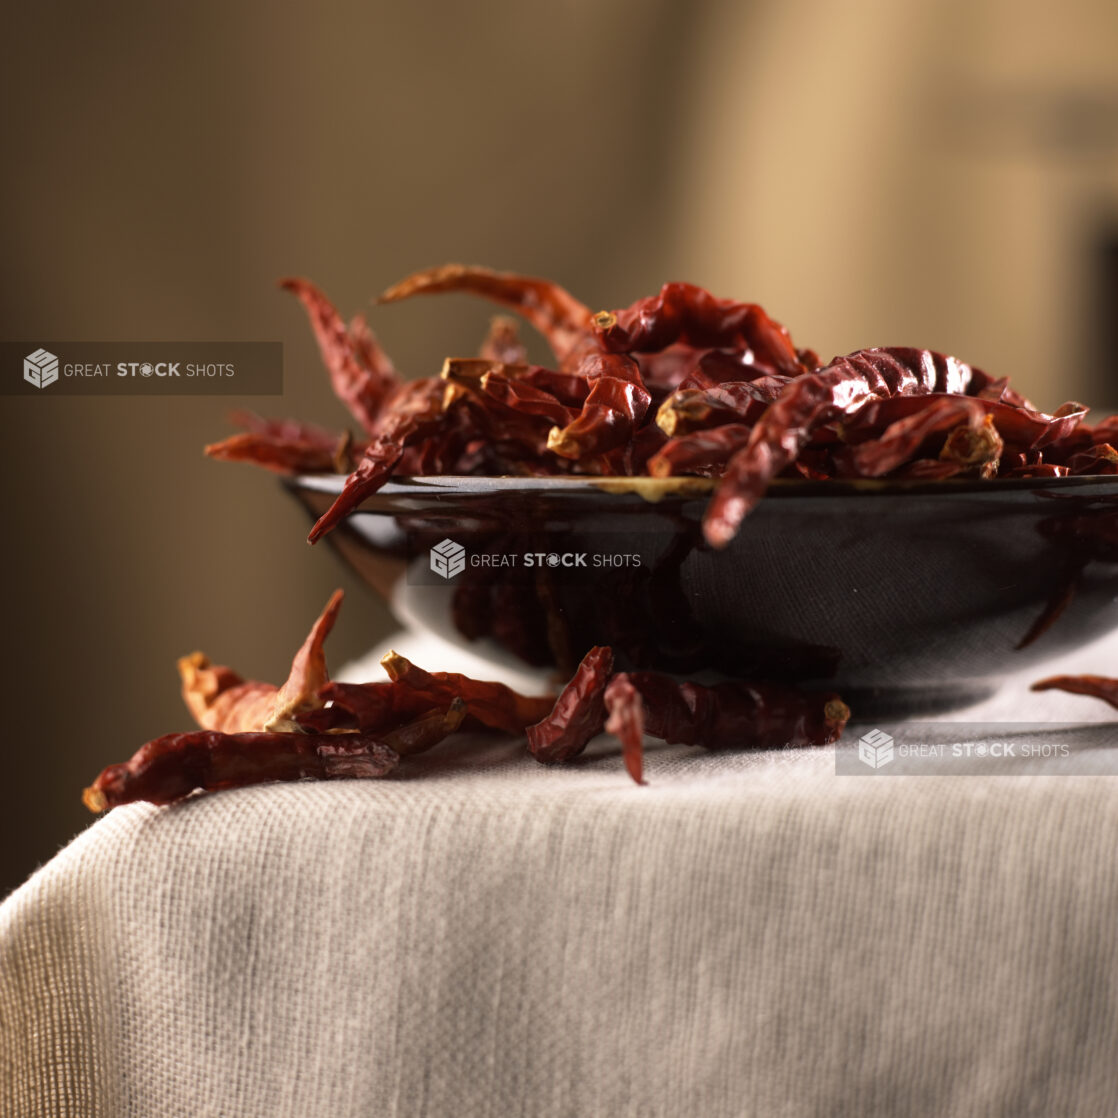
column 284, row 456
column 219, row 699
column 1038, row 469
column 1101, row 458
column 625, row 721
column 173, row 766
column 554, row 312
column 1094, row 686
column 426, row 731
column 308, row 674
column 732, row 715
column 578, row 714
column 701, row 452
column 415, row 409
column 692, row 409
column 682, row 312
column 523, row 397
column 492, row 704
column 811, row 401
column 614, row 408
column 361, row 373
column 903, row 439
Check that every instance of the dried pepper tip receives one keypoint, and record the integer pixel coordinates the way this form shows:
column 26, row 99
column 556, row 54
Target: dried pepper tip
column 625, row 705
column 836, row 711
column 308, row 673
column 1093, row 686
column 94, row 799
column 361, row 374
column 603, row 320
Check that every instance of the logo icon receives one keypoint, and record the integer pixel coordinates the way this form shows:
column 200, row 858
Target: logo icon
column 875, row 749
column 40, row 368
column 448, row 558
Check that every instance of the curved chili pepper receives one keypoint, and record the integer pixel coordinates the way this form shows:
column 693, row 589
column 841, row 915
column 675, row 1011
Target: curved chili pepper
column 811, row 401
column 362, row 375
column 173, row 766
column 426, row 731
column 682, row 312
column 578, row 714
column 553, row 311
column 308, row 674
column 1094, row 686
column 284, row 456
column 219, row 699
column 615, row 407
column 415, row 410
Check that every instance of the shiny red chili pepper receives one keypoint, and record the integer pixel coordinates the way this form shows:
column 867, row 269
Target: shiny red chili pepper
column 682, row 312
column 614, row 408
column 811, row 401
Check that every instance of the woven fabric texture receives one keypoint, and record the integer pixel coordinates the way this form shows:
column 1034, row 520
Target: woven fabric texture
column 749, row 934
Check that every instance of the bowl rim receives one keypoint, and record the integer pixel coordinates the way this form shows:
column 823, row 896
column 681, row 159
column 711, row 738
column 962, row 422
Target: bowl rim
column 654, row 489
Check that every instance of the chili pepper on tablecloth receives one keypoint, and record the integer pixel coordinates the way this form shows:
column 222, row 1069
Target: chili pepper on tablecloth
column 1100, row 458
column 553, row 311
column 1094, row 686
column 523, row 397
column 492, row 704
column 578, row 713
column 362, row 375
column 219, row 699
column 614, row 408
column 173, row 766
column 731, row 715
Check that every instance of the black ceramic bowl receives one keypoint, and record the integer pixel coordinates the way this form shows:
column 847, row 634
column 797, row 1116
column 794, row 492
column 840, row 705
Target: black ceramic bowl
column 902, row 596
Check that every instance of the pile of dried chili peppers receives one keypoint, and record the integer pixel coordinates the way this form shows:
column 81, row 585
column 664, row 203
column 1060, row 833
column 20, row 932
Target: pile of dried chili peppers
column 679, row 383
column 313, row 728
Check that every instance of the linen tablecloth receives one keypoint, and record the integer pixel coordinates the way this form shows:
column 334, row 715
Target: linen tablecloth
column 750, row 934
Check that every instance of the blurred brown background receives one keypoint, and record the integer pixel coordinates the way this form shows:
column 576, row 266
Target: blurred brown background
column 935, row 174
